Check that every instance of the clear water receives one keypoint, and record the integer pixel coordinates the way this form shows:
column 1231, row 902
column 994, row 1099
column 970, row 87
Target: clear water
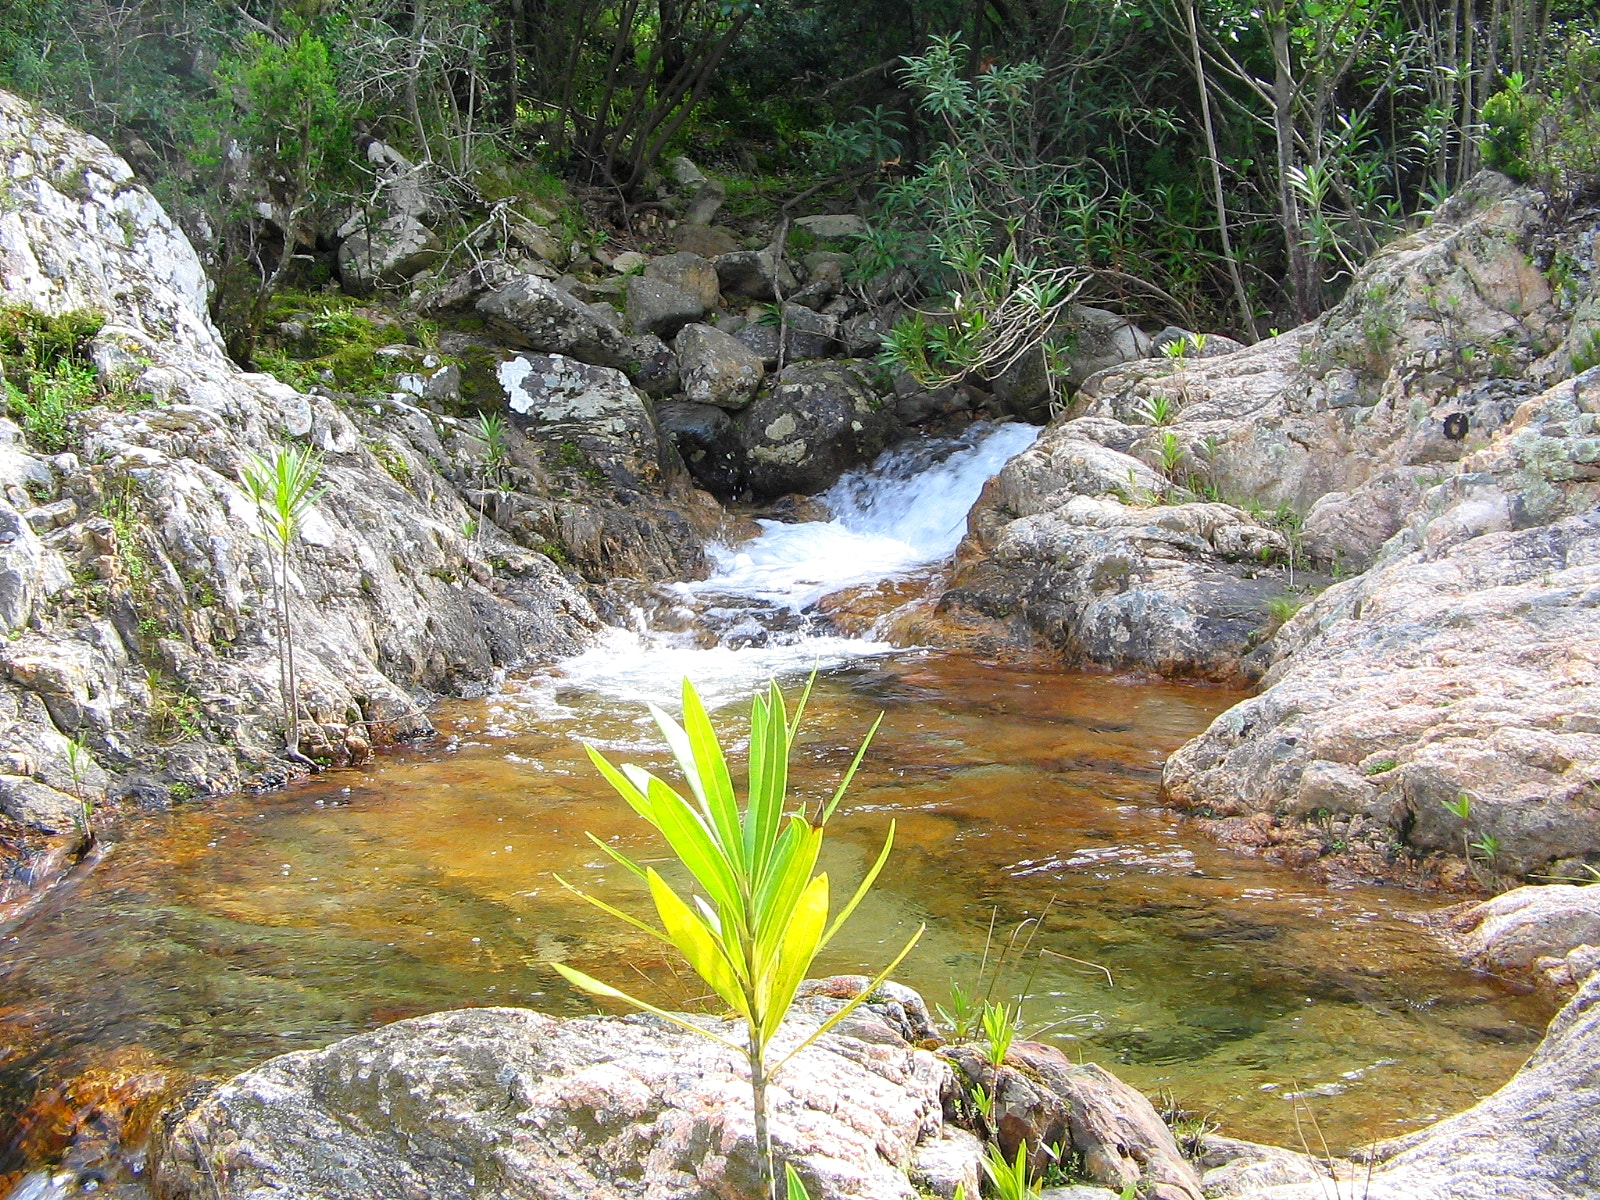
column 215, row 937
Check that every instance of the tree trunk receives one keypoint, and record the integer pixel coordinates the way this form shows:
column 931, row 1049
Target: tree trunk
column 1245, row 315
column 1283, row 129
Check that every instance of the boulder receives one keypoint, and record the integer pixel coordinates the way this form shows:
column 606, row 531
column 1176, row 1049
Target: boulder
column 816, row 422
column 595, row 410
column 690, row 272
column 661, row 308
column 1100, row 339
column 830, row 227
column 535, row 314
column 1093, row 552
column 654, row 367
column 754, row 274
column 385, row 254
column 1465, row 669
column 705, row 195
column 706, row 241
column 717, row 369
column 708, row 443
column 1042, row 1099
column 508, row 1103
column 806, row 334
column 38, row 806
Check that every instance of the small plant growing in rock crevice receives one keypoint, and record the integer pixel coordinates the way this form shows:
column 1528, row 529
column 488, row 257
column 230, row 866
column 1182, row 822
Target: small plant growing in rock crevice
column 284, row 489
column 764, row 916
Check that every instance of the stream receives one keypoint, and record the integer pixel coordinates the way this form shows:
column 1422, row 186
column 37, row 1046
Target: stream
column 215, row 936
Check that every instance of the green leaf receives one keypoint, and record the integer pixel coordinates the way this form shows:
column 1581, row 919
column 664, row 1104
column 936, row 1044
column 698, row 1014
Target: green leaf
column 595, row 988
column 704, row 949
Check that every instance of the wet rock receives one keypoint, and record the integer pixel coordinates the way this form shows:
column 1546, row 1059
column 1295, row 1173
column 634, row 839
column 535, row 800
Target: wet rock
column 1238, row 1168
column 658, row 307
column 863, row 334
column 708, row 443
column 37, row 806
column 717, row 369
column 755, row 274
column 1043, row 1099
column 592, row 1107
column 816, row 422
column 948, row 1164
column 1550, row 932
column 1072, row 545
column 691, row 272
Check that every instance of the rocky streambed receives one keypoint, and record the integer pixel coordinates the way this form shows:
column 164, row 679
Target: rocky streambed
column 1428, row 448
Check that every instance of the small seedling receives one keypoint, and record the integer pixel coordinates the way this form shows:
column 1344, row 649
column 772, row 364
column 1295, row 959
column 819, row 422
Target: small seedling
column 1010, row 1178
column 78, row 762
column 999, row 1031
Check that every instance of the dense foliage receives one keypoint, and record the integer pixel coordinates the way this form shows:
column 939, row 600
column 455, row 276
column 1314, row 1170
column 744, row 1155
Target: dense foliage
column 1207, row 161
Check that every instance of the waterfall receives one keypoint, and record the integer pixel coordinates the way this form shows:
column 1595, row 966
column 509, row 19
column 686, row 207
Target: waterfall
column 904, row 514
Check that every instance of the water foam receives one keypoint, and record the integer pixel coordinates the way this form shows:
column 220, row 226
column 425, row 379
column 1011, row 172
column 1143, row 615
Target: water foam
column 907, row 512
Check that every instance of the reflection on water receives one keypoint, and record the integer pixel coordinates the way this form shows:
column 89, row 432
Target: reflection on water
column 268, row 924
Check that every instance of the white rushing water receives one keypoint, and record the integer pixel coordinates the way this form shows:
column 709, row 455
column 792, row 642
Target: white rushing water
column 906, row 513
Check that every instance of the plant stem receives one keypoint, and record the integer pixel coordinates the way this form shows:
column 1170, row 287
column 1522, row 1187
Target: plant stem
column 766, row 1176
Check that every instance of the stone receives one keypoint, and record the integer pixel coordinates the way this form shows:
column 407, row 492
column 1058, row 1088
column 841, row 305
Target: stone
column 754, row 274
column 629, row 262
column 539, row 1108
column 829, row 227
column 1043, row 1099
column 1071, row 545
column 661, row 308
column 386, row 254
column 706, row 241
column 705, row 194
column 708, row 443
column 1469, row 668
column 863, row 335
column 536, row 314
column 817, row 421
column 690, row 272
column 806, row 335
column 595, row 409
column 717, row 369
column 945, row 1165
column 1101, row 339
column 654, row 367
column 1515, row 930
column 38, row 806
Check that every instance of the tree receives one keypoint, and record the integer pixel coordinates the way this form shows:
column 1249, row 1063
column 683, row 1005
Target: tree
column 764, row 916
column 284, row 489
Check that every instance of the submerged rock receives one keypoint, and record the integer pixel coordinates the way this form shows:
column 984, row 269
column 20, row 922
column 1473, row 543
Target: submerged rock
column 1537, row 1138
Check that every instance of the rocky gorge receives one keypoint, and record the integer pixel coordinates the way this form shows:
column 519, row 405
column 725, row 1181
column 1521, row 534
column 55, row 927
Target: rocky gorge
column 1427, row 450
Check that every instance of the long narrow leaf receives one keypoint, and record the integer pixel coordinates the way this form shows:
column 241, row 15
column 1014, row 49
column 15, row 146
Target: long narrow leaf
column 615, row 912
column 854, row 1004
column 616, row 856
column 714, row 777
column 698, row 944
column 766, row 806
column 800, row 940
column 855, row 762
column 686, row 833
column 595, row 988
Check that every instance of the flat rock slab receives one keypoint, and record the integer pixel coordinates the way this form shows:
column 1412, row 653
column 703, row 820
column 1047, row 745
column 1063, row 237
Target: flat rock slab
column 508, row 1104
